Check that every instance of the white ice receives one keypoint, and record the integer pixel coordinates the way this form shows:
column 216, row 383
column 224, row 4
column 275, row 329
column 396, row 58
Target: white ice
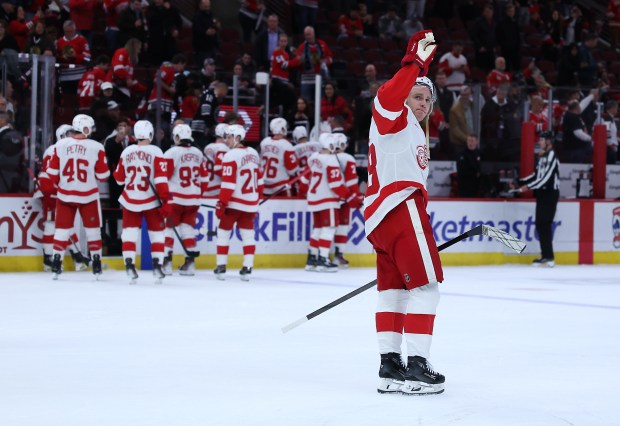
column 518, row 346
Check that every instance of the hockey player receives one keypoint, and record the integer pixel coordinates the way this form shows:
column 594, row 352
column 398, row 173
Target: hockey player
column 326, row 189
column 215, row 152
column 48, row 204
column 187, row 184
column 304, row 148
column 76, row 166
column 242, row 188
column 348, row 166
column 143, row 170
column 398, row 226
column 278, row 158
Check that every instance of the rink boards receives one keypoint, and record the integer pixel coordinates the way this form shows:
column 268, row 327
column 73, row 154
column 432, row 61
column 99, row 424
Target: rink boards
column 585, row 231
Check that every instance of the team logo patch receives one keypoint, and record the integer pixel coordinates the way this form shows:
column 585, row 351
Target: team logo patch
column 422, row 156
column 407, row 279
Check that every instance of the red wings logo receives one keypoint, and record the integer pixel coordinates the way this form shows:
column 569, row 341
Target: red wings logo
column 422, row 156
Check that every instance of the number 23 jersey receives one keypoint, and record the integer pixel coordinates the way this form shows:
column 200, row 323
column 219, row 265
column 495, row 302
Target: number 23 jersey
column 242, row 179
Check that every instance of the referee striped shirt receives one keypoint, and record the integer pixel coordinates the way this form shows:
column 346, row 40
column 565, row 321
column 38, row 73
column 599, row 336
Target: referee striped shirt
column 547, row 173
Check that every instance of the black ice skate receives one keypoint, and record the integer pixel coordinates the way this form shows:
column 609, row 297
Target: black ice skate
column 219, row 272
column 391, row 373
column 96, row 265
column 326, row 265
column 158, row 273
column 167, row 268
column 311, row 262
column 340, row 260
column 421, row 379
column 56, row 266
column 130, row 268
column 543, row 261
column 47, row 263
column 188, row 267
column 244, row 273
column 80, row 262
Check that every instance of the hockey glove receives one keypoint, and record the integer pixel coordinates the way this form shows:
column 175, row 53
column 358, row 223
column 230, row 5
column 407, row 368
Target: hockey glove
column 355, row 201
column 420, row 50
column 219, row 209
column 166, row 209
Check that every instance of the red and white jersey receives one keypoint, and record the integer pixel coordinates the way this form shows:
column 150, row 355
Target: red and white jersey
column 348, row 166
column 189, row 175
column 279, row 163
column 325, row 183
column 496, row 78
column 397, row 153
column 45, row 163
column 112, row 8
column 281, row 62
column 121, row 64
column 76, row 166
column 242, row 179
column 90, row 86
column 214, row 153
column 138, row 165
column 166, row 73
column 75, row 70
column 540, row 120
column 304, row 151
column 451, row 65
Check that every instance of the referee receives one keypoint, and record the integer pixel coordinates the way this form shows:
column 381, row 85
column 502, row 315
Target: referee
column 546, row 183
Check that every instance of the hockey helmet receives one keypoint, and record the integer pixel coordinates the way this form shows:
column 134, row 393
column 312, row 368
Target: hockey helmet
column 236, row 130
column 62, row 130
column 341, row 141
column 143, row 129
column 84, row 124
column 426, row 82
column 181, row 132
column 548, row 135
column 220, row 130
column 299, row 132
column 278, row 126
column 328, row 142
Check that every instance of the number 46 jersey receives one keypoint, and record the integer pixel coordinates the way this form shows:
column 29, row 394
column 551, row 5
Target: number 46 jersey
column 139, row 164
column 188, row 175
column 242, row 179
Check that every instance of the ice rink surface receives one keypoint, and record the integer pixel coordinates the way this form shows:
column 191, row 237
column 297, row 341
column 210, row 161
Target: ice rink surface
column 518, row 346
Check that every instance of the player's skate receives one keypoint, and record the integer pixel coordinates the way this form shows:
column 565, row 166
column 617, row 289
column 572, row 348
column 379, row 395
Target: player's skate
column 80, row 262
column 167, row 268
column 158, row 273
column 219, row 272
column 391, row 373
column 56, row 266
column 130, row 268
column 97, row 265
column 340, row 260
column 543, row 261
column 326, row 265
column 188, row 268
column 421, row 379
column 311, row 262
column 47, row 263
column 244, row 273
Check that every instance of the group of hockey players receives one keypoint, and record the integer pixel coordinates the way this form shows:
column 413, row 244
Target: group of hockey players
column 165, row 190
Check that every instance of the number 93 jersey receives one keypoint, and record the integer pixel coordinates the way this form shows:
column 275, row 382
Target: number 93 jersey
column 242, row 179
column 138, row 165
column 189, row 175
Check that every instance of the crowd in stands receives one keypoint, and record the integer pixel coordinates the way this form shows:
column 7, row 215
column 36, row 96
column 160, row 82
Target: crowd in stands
column 123, row 60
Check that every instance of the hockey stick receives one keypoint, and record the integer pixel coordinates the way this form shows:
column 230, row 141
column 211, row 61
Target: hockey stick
column 286, row 186
column 501, row 236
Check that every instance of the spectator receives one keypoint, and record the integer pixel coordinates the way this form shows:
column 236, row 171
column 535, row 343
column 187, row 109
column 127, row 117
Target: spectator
column 412, row 26
column 445, row 97
column 574, row 27
column 90, row 84
column 509, row 38
column 302, row 116
column 191, row 101
column 454, row 65
column 132, row 24
column 587, row 65
column 568, row 67
column 82, row 12
column 332, row 104
column 207, row 73
column 538, row 115
column 7, row 10
column 112, row 8
column 245, row 85
column 123, row 63
column 498, row 75
column 461, row 121
column 576, row 142
column 19, row 28
column 363, row 117
column 106, row 122
column 203, row 125
column 368, row 21
column 609, row 120
column 248, row 68
column 282, row 60
column 613, row 14
column 267, row 41
column 166, row 77
column 100, row 103
column 315, row 57
column 391, row 25
column 7, row 42
column 436, row 125
column 553, row 41
column 164, row 23
column 204, row 32
column 415, row 9
column 497, row 140
column 370, row 77
column 39, row 42
column 468, row 169
column 305, row 12
column 350, row 25
column 483, row 36
column 72, row 49
column 250, row 17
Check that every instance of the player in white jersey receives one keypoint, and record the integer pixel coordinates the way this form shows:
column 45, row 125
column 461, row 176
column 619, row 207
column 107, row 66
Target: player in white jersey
column 214, row 153
column 76, row 166
column 242, row 188
column 187, row 183
column 48, row 204
column 348, row 166
column 143, row 170
column 303, row 147
column 278, row 158
column 398, row 225
column 325, row 189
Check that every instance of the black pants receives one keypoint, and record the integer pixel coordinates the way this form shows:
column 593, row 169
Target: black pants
column 546, row 205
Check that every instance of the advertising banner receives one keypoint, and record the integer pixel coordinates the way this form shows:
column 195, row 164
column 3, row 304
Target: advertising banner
column 607, row 227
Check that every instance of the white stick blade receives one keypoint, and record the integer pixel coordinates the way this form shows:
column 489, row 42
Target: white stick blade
column 505, row 238
column 294, row 324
